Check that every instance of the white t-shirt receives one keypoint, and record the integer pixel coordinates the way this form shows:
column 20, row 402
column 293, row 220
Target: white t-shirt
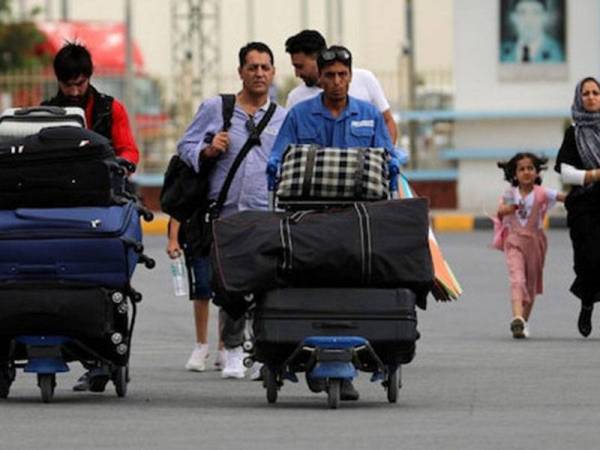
column 363, row 86
column 526, row 204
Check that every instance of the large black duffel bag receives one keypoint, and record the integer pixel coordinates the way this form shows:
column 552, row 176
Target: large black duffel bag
column 59, row 167
column 380, row 244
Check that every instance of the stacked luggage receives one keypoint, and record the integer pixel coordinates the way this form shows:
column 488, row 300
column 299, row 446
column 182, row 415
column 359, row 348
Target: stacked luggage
column 332, row 278
column 70, row 239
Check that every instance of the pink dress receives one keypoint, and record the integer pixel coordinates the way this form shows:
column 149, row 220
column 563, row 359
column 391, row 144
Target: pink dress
column 525, row 249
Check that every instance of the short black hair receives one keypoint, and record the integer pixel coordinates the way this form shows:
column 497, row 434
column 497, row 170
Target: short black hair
column 71, row 61
column 259, row 47
column 309, row 42
column 510, row 167
column 337, row 52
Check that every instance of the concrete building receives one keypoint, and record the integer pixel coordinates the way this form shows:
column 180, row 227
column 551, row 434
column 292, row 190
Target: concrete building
column 502, row 108
column 373, row 30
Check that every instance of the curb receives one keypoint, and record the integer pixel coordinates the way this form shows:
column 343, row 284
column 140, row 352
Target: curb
column 470, row 222
column 440, row 222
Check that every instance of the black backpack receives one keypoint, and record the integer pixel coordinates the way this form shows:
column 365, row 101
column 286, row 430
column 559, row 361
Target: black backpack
column 184, row 191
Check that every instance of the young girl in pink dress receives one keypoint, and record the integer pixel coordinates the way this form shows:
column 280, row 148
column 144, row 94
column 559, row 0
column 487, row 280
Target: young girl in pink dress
column 522, row 211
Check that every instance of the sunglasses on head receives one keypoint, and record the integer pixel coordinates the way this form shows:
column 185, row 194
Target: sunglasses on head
column 339, row 55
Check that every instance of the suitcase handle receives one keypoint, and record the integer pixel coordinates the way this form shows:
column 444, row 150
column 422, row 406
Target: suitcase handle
column 54, row 110
column 36, row 268
column 343, row 324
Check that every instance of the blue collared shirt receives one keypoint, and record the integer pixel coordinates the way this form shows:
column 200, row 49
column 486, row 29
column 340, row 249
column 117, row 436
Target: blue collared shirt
column 249, row 187
column 310, row 122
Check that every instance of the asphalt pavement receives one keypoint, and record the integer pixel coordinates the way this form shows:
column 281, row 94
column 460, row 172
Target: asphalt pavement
column 471, row 386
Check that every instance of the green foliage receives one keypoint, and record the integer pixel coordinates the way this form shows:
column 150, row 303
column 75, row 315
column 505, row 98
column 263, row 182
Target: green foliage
column 17, row 41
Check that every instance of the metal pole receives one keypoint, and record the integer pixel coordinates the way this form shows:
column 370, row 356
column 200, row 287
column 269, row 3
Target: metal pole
column 250, row 20
column 129, row 69
column 304, row 14
column 329, row 17
column 340, row 23
column 48, row 10
column 22, row 10
column 412, row 82
column 64, row 10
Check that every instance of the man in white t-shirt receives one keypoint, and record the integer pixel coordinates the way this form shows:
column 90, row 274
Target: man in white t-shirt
column 304, row 48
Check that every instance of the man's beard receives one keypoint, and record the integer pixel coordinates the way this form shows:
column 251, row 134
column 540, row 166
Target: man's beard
column 76, row 100
column 79, row 100
column 310, row 82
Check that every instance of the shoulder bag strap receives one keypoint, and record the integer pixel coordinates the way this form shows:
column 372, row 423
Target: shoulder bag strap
column 253, row 140
column 228, row 105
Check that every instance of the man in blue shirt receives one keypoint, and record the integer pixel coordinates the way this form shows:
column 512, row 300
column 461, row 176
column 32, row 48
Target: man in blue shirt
column 204, row 140
column 333, row 119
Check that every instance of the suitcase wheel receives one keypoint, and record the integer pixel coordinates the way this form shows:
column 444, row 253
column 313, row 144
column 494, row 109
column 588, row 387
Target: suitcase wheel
column 333, row 393
column 120, row 380
column 271, row 384
column 47, row 383
column 392, row 384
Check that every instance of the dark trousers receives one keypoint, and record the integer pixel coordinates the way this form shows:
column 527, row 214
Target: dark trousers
column 232, row 331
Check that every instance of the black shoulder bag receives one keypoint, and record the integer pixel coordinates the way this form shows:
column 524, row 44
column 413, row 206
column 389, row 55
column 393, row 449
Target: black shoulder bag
column 183, row 190
column 199, row 230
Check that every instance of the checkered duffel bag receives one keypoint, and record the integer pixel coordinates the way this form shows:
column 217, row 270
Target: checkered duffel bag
column 311, row 172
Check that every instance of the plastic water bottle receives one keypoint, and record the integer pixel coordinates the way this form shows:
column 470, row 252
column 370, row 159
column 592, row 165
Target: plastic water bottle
column 509, row 198
column 179, row 278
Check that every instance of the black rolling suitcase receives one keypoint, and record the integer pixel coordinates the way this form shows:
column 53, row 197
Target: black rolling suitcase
column 60, row 167
column 387, row 318
column 87, row 314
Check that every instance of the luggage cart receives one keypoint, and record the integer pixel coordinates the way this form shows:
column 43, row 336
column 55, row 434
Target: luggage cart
column 51, row 316
column 327, row 355
column 103, row 350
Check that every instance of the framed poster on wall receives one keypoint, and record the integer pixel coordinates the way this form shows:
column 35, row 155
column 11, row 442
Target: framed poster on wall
column 532, row 40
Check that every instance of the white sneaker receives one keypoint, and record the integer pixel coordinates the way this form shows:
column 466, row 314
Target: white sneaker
column 526, row 330
column 220, row 360
column 517, row 327
column 197, row 361
column 256, row 372
column 234, row 364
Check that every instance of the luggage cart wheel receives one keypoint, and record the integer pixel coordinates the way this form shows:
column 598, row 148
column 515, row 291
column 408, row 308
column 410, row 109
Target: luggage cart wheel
column 47, row 383
column 248, row 346
column 5, row 382
column 333, row 393
column 271, row 385
column 147, row 261
column 120, row 380
column 392, row 385
column 148, row 216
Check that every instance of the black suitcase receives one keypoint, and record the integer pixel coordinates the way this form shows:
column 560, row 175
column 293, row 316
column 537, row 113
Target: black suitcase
column 60, row 167
column 387, row 318
column 71, row 310
column 86, row 314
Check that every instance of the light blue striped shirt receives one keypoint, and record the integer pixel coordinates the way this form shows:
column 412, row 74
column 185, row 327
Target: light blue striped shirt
column 249, row 187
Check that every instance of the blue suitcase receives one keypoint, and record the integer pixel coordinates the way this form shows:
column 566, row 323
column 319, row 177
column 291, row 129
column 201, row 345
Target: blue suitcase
column 95, row 245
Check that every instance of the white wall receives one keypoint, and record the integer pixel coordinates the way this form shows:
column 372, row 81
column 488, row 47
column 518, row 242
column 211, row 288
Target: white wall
column 476, row 31
column 478, row 88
